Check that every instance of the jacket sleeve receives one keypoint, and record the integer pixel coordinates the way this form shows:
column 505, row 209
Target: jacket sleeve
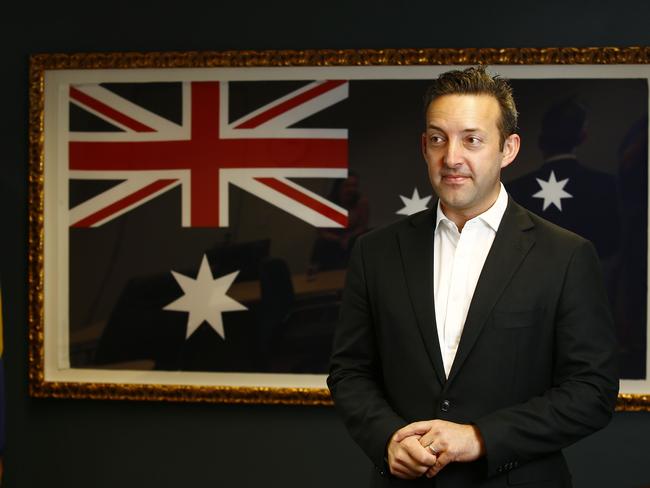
column 585, row 376
column 355, row 379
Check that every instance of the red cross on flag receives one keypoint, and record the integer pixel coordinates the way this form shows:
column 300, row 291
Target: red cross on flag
column 207, row 152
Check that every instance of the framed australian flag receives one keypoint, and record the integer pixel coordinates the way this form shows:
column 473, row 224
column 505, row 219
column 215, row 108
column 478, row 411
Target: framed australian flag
column 191, row 213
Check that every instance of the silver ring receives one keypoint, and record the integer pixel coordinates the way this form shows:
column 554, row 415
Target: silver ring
column 433, row 449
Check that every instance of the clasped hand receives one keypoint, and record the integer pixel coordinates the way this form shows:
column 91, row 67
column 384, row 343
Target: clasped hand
column 426, row 447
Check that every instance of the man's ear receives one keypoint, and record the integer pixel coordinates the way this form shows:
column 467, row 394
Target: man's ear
column 510, row 149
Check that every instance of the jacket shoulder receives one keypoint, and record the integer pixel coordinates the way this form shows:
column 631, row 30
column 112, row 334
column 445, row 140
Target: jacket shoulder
column 389, row 232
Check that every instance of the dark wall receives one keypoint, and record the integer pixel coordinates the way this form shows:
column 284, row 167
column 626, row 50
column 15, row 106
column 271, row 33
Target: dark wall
column 131, row 444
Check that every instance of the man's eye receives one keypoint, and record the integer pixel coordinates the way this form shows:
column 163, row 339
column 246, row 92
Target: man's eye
column 436, row 139
column 473, row 140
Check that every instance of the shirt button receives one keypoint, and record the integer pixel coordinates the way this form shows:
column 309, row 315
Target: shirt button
column 444, row 406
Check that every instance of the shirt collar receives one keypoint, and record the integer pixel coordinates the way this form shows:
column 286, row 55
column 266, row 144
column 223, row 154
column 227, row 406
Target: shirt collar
column 492, row 216
column 559, row 157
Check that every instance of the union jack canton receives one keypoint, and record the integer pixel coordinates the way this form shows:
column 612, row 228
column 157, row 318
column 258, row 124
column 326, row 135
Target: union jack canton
column 205, row 153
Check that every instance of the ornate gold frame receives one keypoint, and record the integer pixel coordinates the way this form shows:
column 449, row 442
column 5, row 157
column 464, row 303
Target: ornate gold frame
column 40, row 63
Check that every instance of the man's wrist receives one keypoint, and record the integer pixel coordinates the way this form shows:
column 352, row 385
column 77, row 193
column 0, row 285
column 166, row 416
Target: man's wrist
column 480, row 443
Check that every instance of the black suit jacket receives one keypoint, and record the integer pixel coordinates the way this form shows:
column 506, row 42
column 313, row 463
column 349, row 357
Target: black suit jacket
column 535, row 368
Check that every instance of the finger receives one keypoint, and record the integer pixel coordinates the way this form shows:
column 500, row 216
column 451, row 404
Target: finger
column 433, row 471
column 400, row 460
column 433, row 449
column 413, row 464
column 431, row 444
column 426, row 440
column 407, row 469
column 416, row 428
column 419, row 454
column 413, row 457
column 434, row 445
column 442, row 461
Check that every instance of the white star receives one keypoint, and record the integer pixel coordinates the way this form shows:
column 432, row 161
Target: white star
column 205, row 299
column 552, row 191
column 413, row 204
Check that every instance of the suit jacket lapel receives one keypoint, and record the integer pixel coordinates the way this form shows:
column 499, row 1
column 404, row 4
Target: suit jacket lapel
column 416, row 248
column 510, row 246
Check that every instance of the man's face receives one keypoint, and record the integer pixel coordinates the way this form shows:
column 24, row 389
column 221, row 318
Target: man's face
column 462, row 148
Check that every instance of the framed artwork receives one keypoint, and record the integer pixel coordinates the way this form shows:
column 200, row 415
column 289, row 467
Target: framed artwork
column 191, row 213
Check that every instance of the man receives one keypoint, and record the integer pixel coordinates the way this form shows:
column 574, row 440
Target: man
column 475, row 341
column 588, row 197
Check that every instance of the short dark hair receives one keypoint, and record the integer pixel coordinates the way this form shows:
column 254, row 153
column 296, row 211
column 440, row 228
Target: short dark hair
column 562, row 126
column 476, row 81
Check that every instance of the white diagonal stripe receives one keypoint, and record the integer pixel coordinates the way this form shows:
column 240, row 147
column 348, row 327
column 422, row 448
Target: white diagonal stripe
column 278, row 127
column 124, row 106
column 241, row 176
column 134, row 181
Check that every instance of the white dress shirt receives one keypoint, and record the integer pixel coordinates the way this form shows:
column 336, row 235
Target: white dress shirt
column 458, row 259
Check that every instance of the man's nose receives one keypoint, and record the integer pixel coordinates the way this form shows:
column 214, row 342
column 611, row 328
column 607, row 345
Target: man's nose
column 453, row 154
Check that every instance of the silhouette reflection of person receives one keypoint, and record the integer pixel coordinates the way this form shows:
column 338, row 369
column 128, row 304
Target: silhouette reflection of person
column 564, row 190
column 332, row 246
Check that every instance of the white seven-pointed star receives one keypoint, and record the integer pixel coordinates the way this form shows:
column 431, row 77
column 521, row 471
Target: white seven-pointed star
column 552, row 191
column 205, row 299
column 413, row 204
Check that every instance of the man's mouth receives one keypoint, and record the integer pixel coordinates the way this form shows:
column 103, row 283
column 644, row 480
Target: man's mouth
column 454, row 178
